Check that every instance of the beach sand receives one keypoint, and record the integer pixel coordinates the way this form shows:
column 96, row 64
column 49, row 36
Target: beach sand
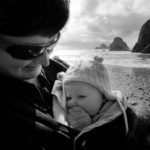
column 134, row 82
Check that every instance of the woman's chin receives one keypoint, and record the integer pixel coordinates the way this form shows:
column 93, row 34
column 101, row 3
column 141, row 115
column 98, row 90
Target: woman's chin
column 31, row 72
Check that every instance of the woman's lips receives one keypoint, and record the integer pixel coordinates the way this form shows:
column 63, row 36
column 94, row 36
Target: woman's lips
column 33, row 67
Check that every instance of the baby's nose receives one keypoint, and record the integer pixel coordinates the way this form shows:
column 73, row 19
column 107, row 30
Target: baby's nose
column 71, row 103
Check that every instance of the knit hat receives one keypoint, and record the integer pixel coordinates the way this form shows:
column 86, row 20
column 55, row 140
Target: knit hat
column 93, row 72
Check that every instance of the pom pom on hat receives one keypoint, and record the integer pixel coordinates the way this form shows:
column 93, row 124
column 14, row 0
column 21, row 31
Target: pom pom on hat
column 61, row 76
column 93, row 72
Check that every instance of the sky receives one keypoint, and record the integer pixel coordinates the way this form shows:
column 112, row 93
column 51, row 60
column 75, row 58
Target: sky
column 93, row 22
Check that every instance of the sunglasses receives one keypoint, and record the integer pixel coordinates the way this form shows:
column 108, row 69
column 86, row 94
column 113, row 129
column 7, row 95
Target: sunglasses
column 26, row 52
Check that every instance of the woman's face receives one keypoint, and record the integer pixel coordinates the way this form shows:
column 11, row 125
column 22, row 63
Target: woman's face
column 18, row 68
column 84, row 96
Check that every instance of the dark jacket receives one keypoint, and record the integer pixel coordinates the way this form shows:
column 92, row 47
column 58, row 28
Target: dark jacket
column 139, row 137
column 109, row 136
column 26, row 121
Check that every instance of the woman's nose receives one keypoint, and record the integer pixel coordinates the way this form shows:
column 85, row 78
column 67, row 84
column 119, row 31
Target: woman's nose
column 43, row 59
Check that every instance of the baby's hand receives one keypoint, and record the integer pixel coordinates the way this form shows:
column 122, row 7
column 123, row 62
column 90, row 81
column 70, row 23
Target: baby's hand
column 78, row 118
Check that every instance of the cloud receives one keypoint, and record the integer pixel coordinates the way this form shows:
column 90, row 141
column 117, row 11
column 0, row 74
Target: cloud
column 96, row 21
column 142, row 7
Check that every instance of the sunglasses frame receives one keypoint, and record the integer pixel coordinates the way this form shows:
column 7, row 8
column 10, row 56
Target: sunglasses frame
column 31, row 51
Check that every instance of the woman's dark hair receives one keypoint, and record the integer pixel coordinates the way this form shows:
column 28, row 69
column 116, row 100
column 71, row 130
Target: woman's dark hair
column 32, row 17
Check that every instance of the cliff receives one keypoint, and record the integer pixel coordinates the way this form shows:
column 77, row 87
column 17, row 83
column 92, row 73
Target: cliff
column 143, row 43
column 118, row 45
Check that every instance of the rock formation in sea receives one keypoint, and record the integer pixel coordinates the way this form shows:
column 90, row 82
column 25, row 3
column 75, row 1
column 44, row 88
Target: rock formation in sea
column 102, row 46
column 143, row 43
column 118, row 45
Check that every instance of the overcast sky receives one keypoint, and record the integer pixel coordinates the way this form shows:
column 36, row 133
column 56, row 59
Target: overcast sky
column 93, row 22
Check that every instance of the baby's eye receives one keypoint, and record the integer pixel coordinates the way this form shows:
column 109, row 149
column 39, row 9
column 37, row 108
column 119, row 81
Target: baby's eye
column 81, row 96
column 68, row 98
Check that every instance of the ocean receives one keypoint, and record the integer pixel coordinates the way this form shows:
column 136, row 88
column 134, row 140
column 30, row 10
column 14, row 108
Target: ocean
column 129, row 73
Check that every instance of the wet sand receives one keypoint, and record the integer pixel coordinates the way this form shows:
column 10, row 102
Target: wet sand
column 134, row 82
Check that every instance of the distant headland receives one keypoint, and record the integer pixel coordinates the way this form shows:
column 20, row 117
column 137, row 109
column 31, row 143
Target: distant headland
column 117, row 44
column 141, row 46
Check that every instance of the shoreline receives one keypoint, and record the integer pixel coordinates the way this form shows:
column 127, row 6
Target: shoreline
column 147, row 66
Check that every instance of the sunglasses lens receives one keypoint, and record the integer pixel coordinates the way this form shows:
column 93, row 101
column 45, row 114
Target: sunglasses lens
column 24, row 52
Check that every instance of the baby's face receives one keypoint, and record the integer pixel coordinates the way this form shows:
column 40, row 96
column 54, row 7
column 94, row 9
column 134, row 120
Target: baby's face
column 84, row 96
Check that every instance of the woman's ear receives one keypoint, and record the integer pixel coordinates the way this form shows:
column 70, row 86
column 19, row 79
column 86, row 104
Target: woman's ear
column 61, row 76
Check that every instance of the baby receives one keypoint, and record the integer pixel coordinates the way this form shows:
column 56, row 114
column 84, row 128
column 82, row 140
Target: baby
column 90, row 106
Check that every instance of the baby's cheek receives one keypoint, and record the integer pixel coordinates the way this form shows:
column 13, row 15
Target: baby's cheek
column 93, row 110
